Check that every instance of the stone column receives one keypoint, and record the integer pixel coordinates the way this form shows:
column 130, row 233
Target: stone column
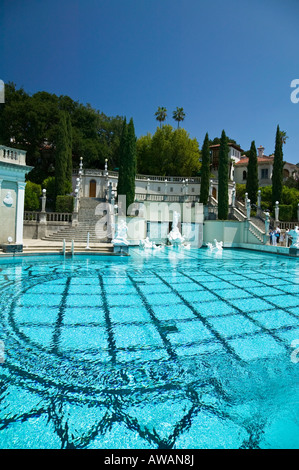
column 186, row 189
column 76, row 208
column 267, row 227
column 20, row 212
column 42, row 218
column 42, row 225
column 112, row 198
column 258, row 212
column 44, row 199
column 210, row 190
column 109, row 191
column 259, row 199
column 276, row 210
column 80, row 188
column 245, row 203
column 76, row 202
column 248, row 208
column 165, row 189
column 233, row 197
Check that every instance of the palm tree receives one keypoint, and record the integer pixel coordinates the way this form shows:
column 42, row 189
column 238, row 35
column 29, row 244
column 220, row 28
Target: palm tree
column 284, row 137
column 161, row 115
column 178, row 115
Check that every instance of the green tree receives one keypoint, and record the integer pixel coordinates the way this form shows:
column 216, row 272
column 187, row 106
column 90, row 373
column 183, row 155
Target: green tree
column 223, row 178
column 217, row 140
column 168, row 152
column 205, row 171
column 252, row 183
column 277, row 175
column 161, row 114
column 30, row 122
column 178, row 115
column 132, row 163
column 49, row 185
column 121, row 183
column 128, row 163
column 62, row 157
column 284, row 137
column 33, row 193
column 69, row 165
column 144, row 154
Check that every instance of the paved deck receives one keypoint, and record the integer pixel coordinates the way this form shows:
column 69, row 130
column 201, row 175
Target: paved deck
column 44, row 246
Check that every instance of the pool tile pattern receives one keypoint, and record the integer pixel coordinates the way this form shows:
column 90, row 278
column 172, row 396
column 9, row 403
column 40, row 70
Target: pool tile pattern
column 148, row 317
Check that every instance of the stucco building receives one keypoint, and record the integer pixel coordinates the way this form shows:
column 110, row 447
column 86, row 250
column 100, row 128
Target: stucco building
column 13, row 169
column 265, row 169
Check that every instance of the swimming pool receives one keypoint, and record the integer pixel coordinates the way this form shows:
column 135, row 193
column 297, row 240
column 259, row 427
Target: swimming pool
column 174, row 349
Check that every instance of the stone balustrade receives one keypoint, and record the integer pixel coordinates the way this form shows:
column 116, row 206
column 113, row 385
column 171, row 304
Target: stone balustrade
column 12, row 155
column 34, row 216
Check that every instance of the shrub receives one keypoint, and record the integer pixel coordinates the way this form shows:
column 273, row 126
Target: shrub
column 265, row 206
column 266, row 195
column 285, row 212
column 33, row 192
column 64, row 204
column 240, row 191
column 49, row 185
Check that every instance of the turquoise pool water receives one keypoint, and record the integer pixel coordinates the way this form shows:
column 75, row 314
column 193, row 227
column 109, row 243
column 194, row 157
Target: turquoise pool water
column 170, row 349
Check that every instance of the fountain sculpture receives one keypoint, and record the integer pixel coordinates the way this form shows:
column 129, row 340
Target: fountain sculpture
column 294, row 235
column 175, row 236
column 217, row 245
column 144, row 244
column 120, row 242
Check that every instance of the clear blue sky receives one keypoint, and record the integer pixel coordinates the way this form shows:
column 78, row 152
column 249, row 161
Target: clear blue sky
column 228, row 63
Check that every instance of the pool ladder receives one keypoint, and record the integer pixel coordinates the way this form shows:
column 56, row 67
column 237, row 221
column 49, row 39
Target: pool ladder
column 64, row 252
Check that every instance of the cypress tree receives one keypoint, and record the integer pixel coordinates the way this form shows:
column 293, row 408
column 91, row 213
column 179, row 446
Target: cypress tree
column 205, row 171
column 122, row 160
column 128, row 163
column 223, row 178
column 63, row 156
column 132, row 163
column 277, row 175
column 69, row 165
column 252, row 183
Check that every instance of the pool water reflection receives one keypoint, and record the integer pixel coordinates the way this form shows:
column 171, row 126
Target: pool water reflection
column 168, row 349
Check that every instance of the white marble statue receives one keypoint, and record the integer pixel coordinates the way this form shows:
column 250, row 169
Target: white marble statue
column 175, row 237
column 8, row 200
column 143, row 244
column 121, row 234
column 294, row 235
column 217, row 245
column 146, row 243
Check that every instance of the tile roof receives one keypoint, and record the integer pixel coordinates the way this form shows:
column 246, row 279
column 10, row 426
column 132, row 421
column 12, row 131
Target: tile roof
column 263, row 159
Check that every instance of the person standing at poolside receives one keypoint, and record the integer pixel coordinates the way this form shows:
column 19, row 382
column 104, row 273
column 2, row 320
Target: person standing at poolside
column 287, row 237
column 277, row 234
column 271, row 237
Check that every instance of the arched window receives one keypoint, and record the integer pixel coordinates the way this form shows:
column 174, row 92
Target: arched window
column 244, row 175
